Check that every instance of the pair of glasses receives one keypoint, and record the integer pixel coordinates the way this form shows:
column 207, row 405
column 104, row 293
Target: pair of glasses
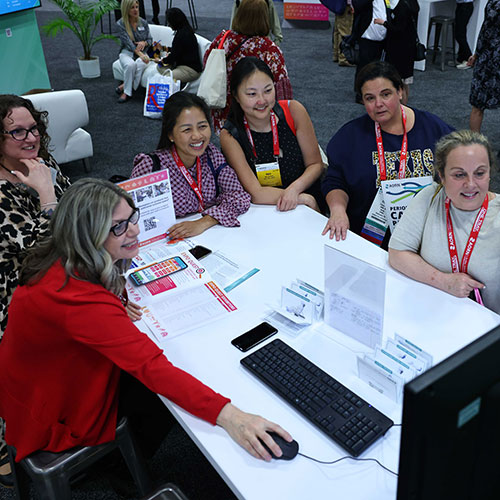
column 20, row 134
column 122, row 227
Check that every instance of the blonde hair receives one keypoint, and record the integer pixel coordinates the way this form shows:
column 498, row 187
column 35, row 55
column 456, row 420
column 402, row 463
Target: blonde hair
column 125, row 7
column 252, row 18
column 79, row 228
column 455, row 139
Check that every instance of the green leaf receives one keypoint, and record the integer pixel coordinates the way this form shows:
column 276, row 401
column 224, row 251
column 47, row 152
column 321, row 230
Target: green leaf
column 83, row 17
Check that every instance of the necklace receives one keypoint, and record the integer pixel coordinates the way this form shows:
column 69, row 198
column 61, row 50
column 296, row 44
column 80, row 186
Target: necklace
column 5, row 168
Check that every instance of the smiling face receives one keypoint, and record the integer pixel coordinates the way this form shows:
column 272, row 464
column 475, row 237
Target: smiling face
column 382, row 101
column 466, row 178
column 125, row 246
column 12, row 150
column 191, row 135
column 256, row 96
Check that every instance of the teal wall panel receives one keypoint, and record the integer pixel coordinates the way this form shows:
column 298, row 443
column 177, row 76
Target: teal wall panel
column 22, row 62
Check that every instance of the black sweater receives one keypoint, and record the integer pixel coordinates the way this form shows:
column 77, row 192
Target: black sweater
column 184, row 50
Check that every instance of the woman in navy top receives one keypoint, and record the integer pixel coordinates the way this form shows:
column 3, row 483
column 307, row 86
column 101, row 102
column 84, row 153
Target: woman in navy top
column 353, row 175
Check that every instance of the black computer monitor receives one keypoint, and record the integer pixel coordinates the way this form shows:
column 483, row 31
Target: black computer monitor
column 450, row 446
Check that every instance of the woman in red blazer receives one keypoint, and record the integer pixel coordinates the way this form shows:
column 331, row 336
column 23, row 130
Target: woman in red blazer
column 69, row 337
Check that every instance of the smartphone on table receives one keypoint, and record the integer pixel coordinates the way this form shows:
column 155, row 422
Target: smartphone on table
column 157, row 270
column 198, row 252
column 254, row 336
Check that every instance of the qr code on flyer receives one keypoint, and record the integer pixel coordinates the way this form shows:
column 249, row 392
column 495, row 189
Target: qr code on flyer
column 150, row 224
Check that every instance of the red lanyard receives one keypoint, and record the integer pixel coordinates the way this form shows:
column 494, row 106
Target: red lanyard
column 452, row 247
column 274, row 129
column 380, row 149
column 194, row 186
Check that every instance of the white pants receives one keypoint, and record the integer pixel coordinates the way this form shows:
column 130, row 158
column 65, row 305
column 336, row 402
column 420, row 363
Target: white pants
column 132, row 71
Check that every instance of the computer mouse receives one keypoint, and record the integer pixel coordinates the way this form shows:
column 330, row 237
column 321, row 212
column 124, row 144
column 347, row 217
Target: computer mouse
column 289, row 450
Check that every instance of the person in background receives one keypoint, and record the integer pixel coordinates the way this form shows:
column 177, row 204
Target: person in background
column 31, row 184
column 400, row 45
column 370, row 36
column 183, row 57
column 135, row 38
column 155, row 4
column 202, row 182
column 248, row 37
column 69, row 331
column 449, row 235
column 342, row 28
column 463, row 13
column 354, row 170
column 276, row 157
column 485, row 85
column 274, row 21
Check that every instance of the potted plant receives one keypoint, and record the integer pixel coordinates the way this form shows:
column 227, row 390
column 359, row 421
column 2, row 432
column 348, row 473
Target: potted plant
column 83, row 16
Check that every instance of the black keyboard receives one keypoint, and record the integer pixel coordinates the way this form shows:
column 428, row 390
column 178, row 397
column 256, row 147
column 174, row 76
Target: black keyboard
column 343, row 416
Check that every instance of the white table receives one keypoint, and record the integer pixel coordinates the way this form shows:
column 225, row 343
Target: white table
column 286, row 246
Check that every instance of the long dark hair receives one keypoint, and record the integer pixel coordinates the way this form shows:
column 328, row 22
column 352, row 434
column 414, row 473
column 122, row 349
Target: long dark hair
column 241, row 71
column 378, row 69
column 173, row 107
column 8, row 102
column 177, row 20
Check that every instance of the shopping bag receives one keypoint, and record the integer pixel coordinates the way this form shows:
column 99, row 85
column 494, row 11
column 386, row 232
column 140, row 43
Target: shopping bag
column 159, row 89
column 213, row 82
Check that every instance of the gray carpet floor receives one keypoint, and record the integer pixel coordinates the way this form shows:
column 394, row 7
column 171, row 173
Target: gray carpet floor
column 119, row 132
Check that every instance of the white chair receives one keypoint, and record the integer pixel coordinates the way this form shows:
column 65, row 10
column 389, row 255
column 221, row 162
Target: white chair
column 67, row 113
column 165, row 35
column 162, row 34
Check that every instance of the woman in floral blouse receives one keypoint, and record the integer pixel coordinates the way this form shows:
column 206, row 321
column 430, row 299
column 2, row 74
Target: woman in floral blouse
column 248, row 37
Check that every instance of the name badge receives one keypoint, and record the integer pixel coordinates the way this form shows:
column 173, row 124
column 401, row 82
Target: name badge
column 269, row 174
column 140, row 28
column 376, row 223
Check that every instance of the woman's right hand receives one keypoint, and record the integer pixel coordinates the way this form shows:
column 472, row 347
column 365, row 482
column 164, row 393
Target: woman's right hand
column 249, row 431
column 461, row 284
column 472, row 60
column 144, row 58
column 337, row 224
column 39, row 178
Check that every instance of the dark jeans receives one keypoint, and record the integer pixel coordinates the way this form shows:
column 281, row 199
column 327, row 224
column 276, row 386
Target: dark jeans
column 156, row 11
column 369, row 51
column 463, row 13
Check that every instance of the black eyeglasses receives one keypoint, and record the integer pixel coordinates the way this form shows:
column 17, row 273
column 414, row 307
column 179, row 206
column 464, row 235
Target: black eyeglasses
column 122, row 227
column 20, row 134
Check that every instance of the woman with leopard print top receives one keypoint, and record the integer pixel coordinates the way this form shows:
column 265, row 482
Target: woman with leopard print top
column 30, row 186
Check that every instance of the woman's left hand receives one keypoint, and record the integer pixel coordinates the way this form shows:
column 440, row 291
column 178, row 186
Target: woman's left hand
column 134, row 311
column 378, row 21
column 309, row 201
column 288, row 200
column 144, row 58
column 190, row 228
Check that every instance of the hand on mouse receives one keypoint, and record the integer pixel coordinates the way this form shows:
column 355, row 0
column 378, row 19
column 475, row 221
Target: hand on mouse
column 247, row 430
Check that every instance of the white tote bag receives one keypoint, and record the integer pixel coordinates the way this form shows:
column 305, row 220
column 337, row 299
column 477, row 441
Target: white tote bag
column 213, row 82
column 159, row 89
